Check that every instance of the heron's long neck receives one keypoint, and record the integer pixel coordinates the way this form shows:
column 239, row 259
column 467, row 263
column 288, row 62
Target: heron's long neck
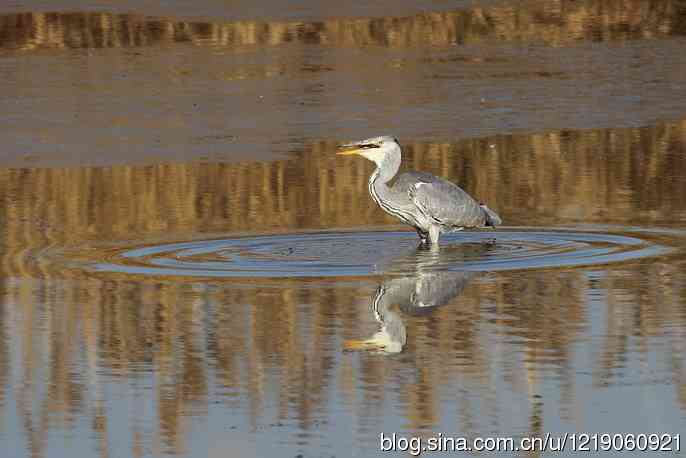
column 385, row 171
column 389, row 200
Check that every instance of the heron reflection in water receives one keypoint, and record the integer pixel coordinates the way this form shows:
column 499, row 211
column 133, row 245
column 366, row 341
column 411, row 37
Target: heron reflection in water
column 429, row 286
column 428, row 203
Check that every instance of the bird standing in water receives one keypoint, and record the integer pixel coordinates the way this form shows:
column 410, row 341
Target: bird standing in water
column 428, row 203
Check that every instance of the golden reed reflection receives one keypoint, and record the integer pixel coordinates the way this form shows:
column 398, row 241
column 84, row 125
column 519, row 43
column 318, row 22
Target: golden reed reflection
column 72, row 334
column 622, row 176
column 553, row 23
column 246, row 346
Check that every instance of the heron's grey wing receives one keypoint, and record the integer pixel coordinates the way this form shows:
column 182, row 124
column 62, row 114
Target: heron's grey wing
column 406, row 180
column 445, row 203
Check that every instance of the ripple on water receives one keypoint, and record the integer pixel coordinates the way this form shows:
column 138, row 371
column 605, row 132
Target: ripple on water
column 332, row 254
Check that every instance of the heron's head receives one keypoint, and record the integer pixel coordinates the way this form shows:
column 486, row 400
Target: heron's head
column 375, row 149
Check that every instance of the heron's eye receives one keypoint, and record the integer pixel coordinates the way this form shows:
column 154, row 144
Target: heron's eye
column 369, row 145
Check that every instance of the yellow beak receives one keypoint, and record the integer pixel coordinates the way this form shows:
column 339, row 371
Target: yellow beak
column 346, row 150
column 356, row 345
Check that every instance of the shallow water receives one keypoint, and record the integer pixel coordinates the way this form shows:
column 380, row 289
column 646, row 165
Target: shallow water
column 187, row 269
column 340, row 254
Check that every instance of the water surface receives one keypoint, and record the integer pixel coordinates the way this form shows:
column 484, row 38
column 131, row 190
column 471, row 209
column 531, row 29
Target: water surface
column 187, row 269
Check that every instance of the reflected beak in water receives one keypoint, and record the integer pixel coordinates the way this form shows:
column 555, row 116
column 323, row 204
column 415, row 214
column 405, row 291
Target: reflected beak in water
column 379, row 342
column 362, row 345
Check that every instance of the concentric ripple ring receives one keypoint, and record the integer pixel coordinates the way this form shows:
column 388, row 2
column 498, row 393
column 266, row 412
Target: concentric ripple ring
column 335, row 254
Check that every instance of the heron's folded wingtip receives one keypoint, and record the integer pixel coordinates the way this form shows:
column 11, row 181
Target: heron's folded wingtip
column 492, row 218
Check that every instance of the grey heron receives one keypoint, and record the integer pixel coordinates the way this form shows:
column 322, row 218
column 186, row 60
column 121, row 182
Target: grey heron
column 428, row 203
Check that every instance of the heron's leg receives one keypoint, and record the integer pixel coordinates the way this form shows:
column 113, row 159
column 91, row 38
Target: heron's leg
column 434, row 234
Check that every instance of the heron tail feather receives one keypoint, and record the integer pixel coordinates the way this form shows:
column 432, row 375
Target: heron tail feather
column 492, row 218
